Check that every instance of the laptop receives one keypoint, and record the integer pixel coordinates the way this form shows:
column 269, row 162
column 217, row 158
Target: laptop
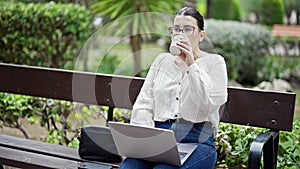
column 151, row 144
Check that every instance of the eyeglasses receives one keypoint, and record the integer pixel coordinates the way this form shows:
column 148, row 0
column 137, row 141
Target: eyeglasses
column 187, row 30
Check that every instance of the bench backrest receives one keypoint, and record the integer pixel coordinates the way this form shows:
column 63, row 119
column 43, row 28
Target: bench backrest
column 286, row 30
column 268, row 109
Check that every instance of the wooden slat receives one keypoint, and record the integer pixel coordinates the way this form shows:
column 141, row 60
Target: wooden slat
column 39, row 147
column 44, row 148
column 22, row 159
column 286, row 30
column 269, row 109
column 90, row 88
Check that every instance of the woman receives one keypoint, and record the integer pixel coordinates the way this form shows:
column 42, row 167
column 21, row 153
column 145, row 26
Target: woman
column 184, row 93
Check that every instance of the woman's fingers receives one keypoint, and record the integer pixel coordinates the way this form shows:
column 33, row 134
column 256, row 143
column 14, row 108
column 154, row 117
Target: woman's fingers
column 183, row 43
column 187, row 50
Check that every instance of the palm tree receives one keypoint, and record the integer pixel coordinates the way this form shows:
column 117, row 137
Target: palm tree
column 140, row 20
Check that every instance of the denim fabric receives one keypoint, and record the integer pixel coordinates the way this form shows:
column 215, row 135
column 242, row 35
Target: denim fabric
column 204, row 157
column 188, row 132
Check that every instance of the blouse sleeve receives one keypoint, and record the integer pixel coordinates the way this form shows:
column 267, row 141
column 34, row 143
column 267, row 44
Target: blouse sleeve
column 142, row 112
column 208, row 86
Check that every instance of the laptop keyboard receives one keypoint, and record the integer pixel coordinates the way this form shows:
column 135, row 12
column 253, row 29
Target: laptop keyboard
column 182, row 154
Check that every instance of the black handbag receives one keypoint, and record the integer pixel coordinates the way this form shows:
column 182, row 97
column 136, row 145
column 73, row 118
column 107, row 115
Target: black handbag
column 96, row 143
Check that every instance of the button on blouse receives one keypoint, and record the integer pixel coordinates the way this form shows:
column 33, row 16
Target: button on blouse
column 194, row 94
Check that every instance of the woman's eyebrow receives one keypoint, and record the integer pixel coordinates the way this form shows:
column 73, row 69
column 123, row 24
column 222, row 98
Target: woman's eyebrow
column 183, row 25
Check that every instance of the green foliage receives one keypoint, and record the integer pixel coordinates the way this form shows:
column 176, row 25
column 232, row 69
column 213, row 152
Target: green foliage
column 53, row 115
column 74, row 143
column 236, row 11
column 225, row 9
column 55, row 137
column 136, row 18
column 120, row 115
column 273, row 12
column 108, row 64
column 116, row 9
column 249, row 6
column 15, row 107
column 39, row 1
column 201, row 7
column 47, row 34
column 242, row 45
column 233, row 144
column 277, row 67
column 238, row 139
column 289, row 148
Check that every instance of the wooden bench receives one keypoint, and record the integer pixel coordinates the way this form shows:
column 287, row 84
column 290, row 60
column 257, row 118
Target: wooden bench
column 266, row 109
column 25, row 153
column 292, row 31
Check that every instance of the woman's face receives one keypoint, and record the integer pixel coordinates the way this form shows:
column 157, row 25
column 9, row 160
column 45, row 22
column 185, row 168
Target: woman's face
column 182, row 21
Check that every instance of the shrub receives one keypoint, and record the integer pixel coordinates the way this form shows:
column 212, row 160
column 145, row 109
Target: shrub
column 289, row 148
column 239, row 139
column 53, row 115
column 278, row 67
column 13, row 107
column 272, row 12
column 44, row 34
column 243, row 46
column 47, row 34
column 225, row 9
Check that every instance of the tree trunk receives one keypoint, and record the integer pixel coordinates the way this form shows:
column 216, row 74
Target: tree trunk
column 288, row 17
column 257, row 16
column 23, row 131
column 208, row 8
column 297, row 18
column 135, row 42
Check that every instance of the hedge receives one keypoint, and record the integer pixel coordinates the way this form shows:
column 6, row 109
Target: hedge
column 272, row 12
column 225, row 9
column 43, row 34
column 243, row 46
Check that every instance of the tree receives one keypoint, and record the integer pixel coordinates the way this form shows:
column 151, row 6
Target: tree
column 139, row 20
column 273, row 12
column 225, row 9
column 208, row 8
column 251, row 7
column 290, row 6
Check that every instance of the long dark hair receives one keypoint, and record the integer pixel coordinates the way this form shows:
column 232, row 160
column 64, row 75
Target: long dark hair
column 188, row 11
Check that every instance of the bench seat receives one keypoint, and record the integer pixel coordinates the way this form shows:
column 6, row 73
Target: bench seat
column 20, row 152
column 23, row 159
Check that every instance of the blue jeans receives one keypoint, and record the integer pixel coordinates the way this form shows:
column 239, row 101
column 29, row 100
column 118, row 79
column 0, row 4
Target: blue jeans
column 204, row 157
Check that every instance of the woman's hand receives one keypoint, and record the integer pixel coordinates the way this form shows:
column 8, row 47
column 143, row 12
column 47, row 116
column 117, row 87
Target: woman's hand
column 186, row 51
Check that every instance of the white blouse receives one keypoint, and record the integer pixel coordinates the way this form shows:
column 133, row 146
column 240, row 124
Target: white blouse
column 172, row 90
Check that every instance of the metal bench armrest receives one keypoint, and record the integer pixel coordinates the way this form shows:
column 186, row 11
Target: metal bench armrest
column 265, row 143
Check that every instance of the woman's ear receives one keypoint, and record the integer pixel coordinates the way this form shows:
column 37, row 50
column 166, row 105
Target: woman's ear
column 202, row 35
